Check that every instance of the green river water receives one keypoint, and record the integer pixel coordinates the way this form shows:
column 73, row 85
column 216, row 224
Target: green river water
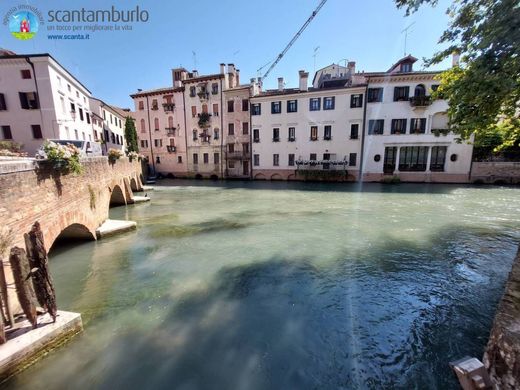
column 285, row 286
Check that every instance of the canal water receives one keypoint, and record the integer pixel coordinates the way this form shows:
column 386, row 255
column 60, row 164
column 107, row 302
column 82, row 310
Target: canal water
column 285, row 286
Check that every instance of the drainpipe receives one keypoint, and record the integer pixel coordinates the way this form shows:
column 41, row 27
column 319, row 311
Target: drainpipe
column 150, row 133
column 250, row 137
column 185, row 132
column 28, row 59
column 221, row 130
column 365, row 101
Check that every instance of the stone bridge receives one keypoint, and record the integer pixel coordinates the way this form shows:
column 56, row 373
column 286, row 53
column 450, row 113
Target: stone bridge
column 64, row 204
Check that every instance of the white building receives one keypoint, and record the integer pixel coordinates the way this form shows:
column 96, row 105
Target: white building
column 406, row 132
column 302, row 133
column 108, row 125
column 40, row 99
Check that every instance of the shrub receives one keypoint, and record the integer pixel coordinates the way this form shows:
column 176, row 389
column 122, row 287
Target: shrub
column 65, row 158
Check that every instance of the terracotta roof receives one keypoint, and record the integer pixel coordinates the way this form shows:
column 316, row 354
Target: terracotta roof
column 157, row 91
column 203, row 78
column 293, row 91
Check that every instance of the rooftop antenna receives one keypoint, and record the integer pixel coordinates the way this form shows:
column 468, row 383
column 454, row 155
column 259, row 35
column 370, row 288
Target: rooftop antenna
column 194, row 60
column 314, row 55
column 405, row 31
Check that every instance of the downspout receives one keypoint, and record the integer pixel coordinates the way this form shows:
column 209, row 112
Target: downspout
column 222, row 130
column 365, row 102
column 28, row 59
column 250, row 137
column 150, row 133
column 185, row 131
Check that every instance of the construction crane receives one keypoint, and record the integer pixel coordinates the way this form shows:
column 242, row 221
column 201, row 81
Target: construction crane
column 296, row 36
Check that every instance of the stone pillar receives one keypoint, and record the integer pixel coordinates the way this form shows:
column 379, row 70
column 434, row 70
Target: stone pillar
column 397, row 155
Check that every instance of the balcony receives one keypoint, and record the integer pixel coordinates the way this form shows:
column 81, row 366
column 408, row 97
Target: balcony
column 420, row 101
column 322, row 165
column 168, row 107
column 204, row 119
column 171, row 148
column 155, row 107
column 203, row 95
column 170, row 131
column 237, row 155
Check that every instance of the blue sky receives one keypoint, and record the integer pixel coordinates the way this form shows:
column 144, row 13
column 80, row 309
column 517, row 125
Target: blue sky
column 250, row 34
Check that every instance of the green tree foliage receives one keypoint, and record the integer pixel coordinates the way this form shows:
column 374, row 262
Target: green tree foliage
column 485, row 90
column 131, row 135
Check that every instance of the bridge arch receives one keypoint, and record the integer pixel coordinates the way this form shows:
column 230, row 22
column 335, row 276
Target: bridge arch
column 133, row 184
column 75, row 231
column 117, row 196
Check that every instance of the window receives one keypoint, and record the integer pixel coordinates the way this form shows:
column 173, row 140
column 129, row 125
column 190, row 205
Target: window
column 245, row 128
column 314, row 133
column 231, row 129
column 205, row 158
column 276, row 134
column 245, row 148
column 398, row 126
column 256, row 109
column 215, row 134
column 413, row 158
column 291, row 160
column 195, row 158
column 26, row 73
column 401, row 93
column 77, row 137
column 141, row 105
column 6, row 132
column 420, row 90
column 352, row 159
column 194, row 135
column 375, row 95
column 292, row 134
column 144, row 143
column 256, row 135
column 230, row 106
column 327, row 133
column 214, row 88
column 292, row 105
column 88, row 118
column 354, row 131
column 356, row 101
column 276, row 107
column 156, row 124
column 73, row 108
column 256, row 160
column 158, row 160
column 192, row 91
column 314, row 104
column 438, row 158
column 143, row 126
column 215, row 109
column 328, row 103
column 37, row 131
column 179, row 159
column 193, row 111
column 231, row 164
column 376, row 126
column 77, row 94
column 3, row 106
column 158, row 143
column 231, row 148
column 81, row 114
column 28, row 100
column 276, row 160
column 216, row 158
column 312, row 157
column 155, row 106
column 407, row 67
column 418, row 126
column 68, row 88
column 389, row 161
column 245, row 105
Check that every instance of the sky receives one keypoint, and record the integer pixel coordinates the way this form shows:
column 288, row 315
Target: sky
column 200, row 34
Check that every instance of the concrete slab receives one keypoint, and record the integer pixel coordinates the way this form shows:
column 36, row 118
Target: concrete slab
column 141, row 199
column 148, row 188
column 26, row 345
column 114, row 226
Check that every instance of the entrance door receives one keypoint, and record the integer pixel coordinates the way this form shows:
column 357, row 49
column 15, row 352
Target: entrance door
column 246, row 168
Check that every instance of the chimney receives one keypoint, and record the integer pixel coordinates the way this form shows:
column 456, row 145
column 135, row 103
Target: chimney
column 280, row 83
column 184, row 75
column 222, row 68
column 195, row 73
column 231, row 75
column 455, row 59
column 304, row 76
column 238, row 77
column 231, row 68
column 352, row 67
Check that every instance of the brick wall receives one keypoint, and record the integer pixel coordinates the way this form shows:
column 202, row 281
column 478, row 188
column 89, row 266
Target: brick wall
column 492, row 172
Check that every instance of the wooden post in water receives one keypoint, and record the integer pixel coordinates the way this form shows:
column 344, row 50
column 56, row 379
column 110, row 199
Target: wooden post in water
column 41, row 276
column 24, row 287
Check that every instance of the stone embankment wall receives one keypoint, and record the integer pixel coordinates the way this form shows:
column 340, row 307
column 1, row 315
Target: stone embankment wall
column 496, row 172
column 502, row 356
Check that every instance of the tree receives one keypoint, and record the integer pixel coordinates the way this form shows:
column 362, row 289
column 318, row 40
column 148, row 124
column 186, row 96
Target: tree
column 131, row 135
column 485, row 89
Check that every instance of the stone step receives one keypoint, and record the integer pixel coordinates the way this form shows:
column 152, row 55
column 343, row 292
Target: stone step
column 113, row 226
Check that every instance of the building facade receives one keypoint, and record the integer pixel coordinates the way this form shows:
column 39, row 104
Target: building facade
column 406, row 131
column 40, row 99
column 108, row 125
column 303, row 133
column 159, row 122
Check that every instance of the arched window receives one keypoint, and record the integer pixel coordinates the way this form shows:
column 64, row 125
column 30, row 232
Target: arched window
column 143, row 126
column 156, row 124
column 420, row 90
column 170, row 122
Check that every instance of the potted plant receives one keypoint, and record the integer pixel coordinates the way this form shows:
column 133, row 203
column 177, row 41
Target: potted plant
column 63, row 158
column 113, row 155
column 132, row 156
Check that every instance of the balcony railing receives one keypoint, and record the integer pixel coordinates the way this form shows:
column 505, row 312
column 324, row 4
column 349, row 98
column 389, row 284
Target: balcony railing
column 237, row 155
column 291, row 139
column 170, row 131
column 276, row 139
column 171, row 148
column 319, row 165
column 168, row 107
column 420, row 101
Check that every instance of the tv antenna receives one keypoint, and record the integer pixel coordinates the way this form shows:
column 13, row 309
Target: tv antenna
column 315, row 53
column 194, row 60
column 405, row 31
